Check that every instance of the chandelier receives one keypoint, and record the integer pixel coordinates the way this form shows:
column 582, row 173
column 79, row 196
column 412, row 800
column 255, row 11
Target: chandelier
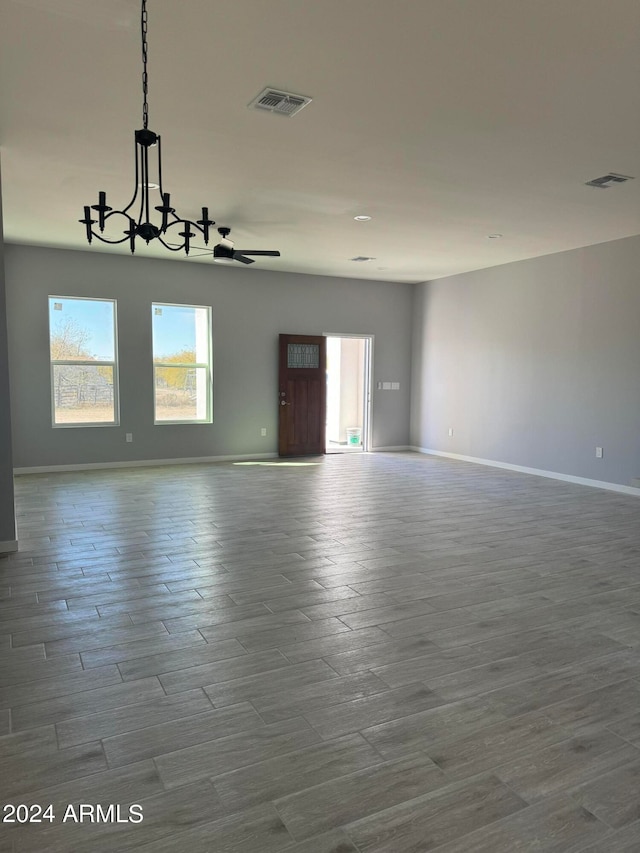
column 137, row 214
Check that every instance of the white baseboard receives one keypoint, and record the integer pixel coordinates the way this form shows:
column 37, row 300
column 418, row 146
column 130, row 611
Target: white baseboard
column 538, row 472
column 140, row 463
column 397, row 449
column 9, row 547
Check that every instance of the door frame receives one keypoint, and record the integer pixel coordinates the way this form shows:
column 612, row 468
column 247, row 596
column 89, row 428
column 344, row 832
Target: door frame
column 368, row 383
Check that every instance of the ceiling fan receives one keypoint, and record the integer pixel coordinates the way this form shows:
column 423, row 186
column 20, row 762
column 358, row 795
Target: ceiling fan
column 224, row 253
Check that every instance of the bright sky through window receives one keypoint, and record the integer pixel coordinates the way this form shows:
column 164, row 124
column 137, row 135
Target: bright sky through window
column 93, row 316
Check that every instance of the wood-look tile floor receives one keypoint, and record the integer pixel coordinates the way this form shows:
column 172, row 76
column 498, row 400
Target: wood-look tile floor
column 385, row 653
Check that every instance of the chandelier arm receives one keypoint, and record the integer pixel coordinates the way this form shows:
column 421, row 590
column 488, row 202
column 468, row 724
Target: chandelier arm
column 142, row 183
column 183, row 222
column 171, row 247
column 159, row 144
column 117, row 213
column 127, row 236
column 137, row 178
column 145, row 183
column 110, row 242
column 161, row 190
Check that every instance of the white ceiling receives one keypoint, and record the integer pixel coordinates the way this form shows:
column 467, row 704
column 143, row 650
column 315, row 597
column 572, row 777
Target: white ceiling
column 444, row 120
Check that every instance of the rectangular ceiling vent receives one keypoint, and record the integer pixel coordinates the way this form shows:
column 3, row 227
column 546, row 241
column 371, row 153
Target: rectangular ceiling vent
column 280, row 103
column 609, row 180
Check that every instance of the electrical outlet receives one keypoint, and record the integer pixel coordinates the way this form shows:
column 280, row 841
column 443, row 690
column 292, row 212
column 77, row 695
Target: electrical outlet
column 450, row 430
column 599, row 453
column 129, row 436
column 263, row 431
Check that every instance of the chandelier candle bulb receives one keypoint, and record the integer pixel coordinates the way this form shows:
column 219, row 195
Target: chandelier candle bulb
column 88, row 222
column 205, row 223
column 102, row 208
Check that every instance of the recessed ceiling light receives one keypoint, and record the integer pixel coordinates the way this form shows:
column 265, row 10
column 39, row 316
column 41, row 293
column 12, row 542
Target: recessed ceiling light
column 493, row 236
column 362, row 218
column 151, row 186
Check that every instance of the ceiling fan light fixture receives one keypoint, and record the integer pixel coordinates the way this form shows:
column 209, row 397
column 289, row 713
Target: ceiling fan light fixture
column 223, row 254
column 137, row 215
column 226, row 253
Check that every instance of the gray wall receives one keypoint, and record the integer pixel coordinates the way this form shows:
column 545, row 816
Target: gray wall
column 7, row 511
column 249, row 306
column 534, row 363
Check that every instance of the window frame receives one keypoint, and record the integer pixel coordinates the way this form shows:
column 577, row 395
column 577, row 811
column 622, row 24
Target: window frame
column 208, row 367
column 58, row 362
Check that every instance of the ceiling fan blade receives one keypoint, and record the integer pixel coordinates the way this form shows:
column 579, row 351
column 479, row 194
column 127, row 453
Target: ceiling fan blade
column 271, row 254
column 238, row 257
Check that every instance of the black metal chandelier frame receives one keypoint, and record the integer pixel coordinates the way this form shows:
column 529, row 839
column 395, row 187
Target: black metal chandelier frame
column 142, row 226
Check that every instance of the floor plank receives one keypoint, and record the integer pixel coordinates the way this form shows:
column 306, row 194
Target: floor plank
column 434, row 819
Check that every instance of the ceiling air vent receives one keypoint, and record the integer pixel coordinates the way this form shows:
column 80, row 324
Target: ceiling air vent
column 361, row 259
column 609, row 180
column 281, row 103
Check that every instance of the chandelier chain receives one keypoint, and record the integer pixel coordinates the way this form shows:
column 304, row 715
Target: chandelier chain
column 145, row 75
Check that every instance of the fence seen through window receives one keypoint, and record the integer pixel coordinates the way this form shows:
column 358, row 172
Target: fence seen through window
column 181, row 363
column 84, row 370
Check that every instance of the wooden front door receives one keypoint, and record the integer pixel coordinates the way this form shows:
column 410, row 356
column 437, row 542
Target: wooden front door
column 302, row 395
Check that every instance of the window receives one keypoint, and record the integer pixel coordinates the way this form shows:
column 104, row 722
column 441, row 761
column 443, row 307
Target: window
column 84, row 369
column 181, row 363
